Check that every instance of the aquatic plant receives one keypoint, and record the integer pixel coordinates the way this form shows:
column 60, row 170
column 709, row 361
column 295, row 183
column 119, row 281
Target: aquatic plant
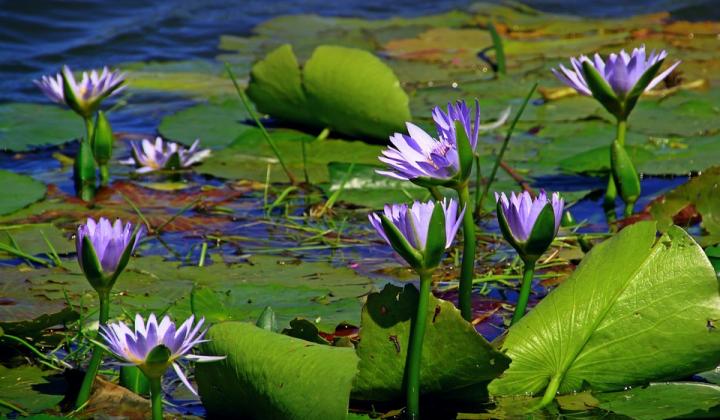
column 446, row 161
column 84, row 97
column 617, row 83
column 420, row 234
column 154, row 348
column 529, row 225
column 103, row 251
column 150, row 156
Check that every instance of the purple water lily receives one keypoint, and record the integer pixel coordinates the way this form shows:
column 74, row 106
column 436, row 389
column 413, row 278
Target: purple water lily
column 135, row 346
column 521, row 212
column 92, row 88
column 419, row 155
column 621, row 71
column 414, row 222
column 148, row 156
column 109, row 241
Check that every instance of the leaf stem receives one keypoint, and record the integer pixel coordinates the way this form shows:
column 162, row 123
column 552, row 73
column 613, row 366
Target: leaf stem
column 467, row 270
column 414, row 355
column 260, row 125
column 156, row 396
column 508, row 136
column 528, row 274
column 550, row 392
column 98, row 352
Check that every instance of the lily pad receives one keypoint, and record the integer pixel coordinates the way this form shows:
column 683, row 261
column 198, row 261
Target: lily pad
column 215, row 124
column 249, row 156
column 25, row 127
column 30, row 389
column 664, row 401
column 29, row 238
column 19, row 191
column 701, row 192
column 455, row 355
column 620, row 319
column 273, row 376
column 317, row 291
column 348, row 90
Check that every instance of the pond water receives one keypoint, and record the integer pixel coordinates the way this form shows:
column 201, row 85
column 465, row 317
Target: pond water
column 36, row 38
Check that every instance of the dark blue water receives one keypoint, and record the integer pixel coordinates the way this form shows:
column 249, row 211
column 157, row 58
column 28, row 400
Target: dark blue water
column 38, row 36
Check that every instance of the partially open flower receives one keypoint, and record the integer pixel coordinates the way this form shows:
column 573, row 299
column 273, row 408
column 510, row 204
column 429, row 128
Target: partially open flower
column 104, row 249
column 148, row 156
column 528, row 224
column 618, row 81
column 420, row 233
column 155, row 347
column 83, row 97
column 425, row 160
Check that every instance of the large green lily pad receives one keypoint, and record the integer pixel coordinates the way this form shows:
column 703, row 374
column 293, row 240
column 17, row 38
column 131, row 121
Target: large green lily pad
column 348, row 90
column 455, row 355
column 273, row 376
column 25, row 127
column 620, row 319
column 19, row 191
column 664, row 401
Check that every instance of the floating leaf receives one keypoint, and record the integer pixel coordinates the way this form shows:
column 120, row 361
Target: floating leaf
column 25, row 127
column 249, row 156
column 701, row 192
column 19, row 191
column 29, row 238
column 664, row 401
column 455, row 355
column 273, row 376
column 30, row 388
column 620, row 319
column 215, row 124
column 348, row 90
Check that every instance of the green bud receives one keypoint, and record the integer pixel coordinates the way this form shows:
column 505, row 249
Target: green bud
column 624, row 174
column 84, row 172
column 102, row 141
column 156, row 362
column 435, row 245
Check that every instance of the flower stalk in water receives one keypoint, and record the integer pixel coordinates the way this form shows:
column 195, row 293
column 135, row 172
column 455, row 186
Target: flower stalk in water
column 420, row 234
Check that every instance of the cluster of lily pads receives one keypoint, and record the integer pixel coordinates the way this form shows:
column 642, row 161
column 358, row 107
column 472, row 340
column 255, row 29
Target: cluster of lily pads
column 610, row 304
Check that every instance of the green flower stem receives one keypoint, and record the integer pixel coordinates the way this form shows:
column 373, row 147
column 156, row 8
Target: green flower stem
column 528, row 274
column 467, row 270
column 104, row 174
column 414, row 355
column 550, row 392
column 156, row 396
column 98, row 352
column 436, row 194
column 89, row 127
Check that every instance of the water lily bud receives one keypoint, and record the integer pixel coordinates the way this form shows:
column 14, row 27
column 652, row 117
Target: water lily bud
column 155, row 347
column 624, row 174
column 420, row 233
column 102, row 141
column 84, row 172
column 528, row 224
column 104, row 249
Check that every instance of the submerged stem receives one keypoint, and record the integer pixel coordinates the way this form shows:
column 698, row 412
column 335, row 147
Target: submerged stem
column 414, row 355
column 528, row 274
column 156, row 396
column 467, row 270
column 96, row 359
